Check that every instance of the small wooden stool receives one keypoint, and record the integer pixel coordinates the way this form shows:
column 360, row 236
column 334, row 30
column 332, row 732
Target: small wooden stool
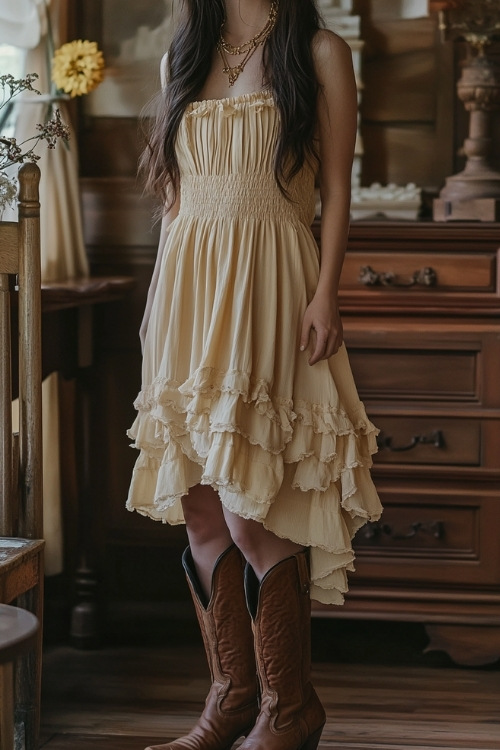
column 18, row 631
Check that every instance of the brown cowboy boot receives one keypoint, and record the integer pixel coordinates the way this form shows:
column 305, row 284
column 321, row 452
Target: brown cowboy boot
column 231, row 706
column 291, row 715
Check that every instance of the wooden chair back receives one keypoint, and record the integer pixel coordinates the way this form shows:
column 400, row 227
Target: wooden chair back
column 21, row 509
column 20, row 258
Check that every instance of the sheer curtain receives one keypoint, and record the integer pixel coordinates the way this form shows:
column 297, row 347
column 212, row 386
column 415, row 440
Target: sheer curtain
column 26, row 24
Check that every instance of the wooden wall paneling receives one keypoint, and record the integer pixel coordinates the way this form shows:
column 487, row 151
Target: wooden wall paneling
column 88, row 14
column 119, row 222
column 400, row 155
column 110, row 147
column 407, row 108
column 400, row 67
column 495, row 52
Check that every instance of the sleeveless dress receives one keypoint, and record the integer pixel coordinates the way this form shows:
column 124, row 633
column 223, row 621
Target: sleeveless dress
column 227, row 397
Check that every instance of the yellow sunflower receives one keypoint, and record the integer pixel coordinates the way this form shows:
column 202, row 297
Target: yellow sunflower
column 77, row 67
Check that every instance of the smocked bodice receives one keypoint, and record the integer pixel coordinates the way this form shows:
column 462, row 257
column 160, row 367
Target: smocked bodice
column 225, row 150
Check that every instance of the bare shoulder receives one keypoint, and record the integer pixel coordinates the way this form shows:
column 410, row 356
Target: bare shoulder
column 330, row 53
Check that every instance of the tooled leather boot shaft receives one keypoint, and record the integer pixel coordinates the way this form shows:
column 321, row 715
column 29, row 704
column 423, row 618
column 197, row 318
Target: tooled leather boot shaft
column 231, row 706
column 226, row 631
column 291, row 716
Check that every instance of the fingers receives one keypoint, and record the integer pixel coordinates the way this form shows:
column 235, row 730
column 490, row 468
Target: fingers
column 321, row 333
column 324, row 343
column 320, row 346
column 305, row 334
column 333, row 345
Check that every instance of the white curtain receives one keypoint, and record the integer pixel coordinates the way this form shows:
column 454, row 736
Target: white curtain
column 52, row 516
column 23, row 23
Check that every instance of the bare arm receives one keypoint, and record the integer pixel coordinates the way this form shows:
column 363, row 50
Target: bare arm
column 337, row 119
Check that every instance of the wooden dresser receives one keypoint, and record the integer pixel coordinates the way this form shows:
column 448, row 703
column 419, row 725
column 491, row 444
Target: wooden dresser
column 421, row 309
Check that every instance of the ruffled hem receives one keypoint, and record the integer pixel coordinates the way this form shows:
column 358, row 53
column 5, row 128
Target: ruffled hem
column 301, row 469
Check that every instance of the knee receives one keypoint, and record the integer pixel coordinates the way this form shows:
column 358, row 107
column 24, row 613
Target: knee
column 204, row 518
column 247, row 535
column 261, row 548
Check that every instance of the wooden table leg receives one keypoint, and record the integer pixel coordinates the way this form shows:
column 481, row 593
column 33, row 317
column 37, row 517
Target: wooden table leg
column 85, row 628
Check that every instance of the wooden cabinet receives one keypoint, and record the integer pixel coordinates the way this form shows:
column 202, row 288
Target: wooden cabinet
column 421, row 310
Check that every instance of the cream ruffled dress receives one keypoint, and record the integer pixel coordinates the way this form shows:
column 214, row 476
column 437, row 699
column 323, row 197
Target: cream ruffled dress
column 227, row 397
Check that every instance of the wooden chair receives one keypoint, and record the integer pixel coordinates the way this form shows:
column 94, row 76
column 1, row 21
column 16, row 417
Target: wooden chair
column 21, row 523
column 18, row 632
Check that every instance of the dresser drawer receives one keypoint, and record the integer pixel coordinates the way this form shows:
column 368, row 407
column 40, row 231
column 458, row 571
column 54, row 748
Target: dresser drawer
column 428, row 440
column 439, row 271
column 432, row 538
column 447, row 372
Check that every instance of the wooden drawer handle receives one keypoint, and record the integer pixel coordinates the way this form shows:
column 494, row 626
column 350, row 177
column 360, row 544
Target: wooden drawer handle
column 375, row 529
column 424, row 277
column 436, row 439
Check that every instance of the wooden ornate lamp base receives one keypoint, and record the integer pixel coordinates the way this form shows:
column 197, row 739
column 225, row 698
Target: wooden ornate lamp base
column 474, row 193
column 478, row 209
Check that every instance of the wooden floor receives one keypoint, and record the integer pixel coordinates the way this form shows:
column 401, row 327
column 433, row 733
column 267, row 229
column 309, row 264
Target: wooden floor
column 124, row 697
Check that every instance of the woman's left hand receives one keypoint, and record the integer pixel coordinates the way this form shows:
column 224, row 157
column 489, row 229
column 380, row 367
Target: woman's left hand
column 321, row 328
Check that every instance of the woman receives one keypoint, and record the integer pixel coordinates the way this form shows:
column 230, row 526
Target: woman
column 249, row 426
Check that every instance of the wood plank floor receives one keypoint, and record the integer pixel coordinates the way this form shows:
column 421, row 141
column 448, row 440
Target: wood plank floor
column 124, row 697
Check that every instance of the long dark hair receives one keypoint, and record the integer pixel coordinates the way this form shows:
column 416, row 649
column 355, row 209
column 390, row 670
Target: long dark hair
column 288, row 71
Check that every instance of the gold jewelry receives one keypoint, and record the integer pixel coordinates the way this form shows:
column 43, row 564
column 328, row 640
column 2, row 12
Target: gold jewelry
column 247, row 49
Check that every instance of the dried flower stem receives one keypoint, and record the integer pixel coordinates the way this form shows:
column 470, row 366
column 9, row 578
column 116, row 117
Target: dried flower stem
column 12, row 152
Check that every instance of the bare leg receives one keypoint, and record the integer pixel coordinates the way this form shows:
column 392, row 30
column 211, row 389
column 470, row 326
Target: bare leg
column 211, row 529
column 260, row 547
column 214, row 563
column 207, row 531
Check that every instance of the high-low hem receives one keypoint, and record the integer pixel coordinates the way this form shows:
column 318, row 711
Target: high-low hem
column 307, row 489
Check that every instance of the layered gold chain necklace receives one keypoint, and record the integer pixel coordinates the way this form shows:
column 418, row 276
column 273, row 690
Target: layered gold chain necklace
column 247, row 48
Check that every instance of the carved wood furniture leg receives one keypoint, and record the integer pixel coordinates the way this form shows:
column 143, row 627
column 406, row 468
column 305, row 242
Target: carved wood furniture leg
column 85, row 624
column 466, row 644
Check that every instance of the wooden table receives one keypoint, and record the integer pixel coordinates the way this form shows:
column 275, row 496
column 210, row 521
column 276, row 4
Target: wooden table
column 67, row 347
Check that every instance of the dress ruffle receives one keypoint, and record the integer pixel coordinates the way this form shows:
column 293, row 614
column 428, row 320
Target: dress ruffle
column 300, row 469
column 227, row 399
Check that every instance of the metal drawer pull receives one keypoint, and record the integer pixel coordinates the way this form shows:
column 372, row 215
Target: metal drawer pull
column 424, row 277
column 374, row 529
column 436, row 439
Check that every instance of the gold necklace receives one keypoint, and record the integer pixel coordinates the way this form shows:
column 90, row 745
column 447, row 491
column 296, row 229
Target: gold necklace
column 247, row 48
